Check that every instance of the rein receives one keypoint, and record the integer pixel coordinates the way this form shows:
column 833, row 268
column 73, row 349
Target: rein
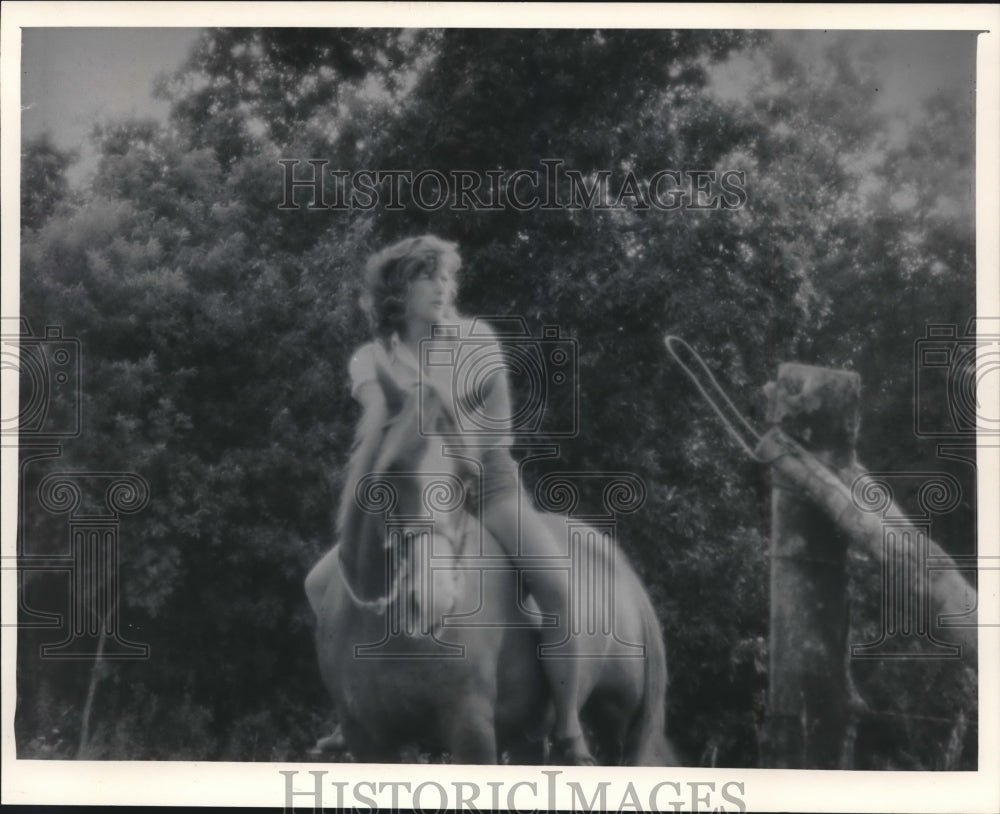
column 377, row 606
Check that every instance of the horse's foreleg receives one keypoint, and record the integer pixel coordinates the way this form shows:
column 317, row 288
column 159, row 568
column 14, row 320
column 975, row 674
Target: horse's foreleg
column 364, row 748
column 472, row 735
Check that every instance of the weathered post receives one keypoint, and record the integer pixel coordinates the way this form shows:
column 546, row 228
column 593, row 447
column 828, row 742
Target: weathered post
column 808, row 694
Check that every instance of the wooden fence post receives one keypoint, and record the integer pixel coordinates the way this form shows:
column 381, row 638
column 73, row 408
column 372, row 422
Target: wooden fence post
column 807, row 699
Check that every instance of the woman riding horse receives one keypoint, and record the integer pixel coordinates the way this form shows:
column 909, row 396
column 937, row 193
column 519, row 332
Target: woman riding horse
column 410, row 288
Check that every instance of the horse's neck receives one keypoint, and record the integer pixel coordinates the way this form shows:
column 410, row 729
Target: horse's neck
column 363, row 535
column 362, row 553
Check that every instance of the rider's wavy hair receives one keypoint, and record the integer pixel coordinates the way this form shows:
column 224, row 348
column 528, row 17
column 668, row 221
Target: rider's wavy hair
column 388, row 275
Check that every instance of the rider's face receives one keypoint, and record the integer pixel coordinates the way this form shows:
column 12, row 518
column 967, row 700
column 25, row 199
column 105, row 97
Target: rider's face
column 428, row 296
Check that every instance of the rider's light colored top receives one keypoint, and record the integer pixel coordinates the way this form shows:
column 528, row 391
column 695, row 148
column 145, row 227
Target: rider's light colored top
column 464, row 361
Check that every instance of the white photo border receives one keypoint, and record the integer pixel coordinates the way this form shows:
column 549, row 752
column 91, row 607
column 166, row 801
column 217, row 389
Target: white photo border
column 262, row 784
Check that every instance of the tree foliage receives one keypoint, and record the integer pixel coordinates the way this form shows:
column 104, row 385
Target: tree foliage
column 43, row 180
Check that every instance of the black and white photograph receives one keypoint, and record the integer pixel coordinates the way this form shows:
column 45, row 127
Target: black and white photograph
column 528, row 407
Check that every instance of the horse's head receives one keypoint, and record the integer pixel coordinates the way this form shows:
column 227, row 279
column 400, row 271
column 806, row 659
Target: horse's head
column 428, row 493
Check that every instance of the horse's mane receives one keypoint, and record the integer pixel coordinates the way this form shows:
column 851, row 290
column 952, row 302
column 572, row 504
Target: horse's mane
column 369, row 447
column 365, row 450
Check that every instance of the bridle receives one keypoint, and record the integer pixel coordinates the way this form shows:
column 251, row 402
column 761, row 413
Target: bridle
column 457, row 539
column 378, row 605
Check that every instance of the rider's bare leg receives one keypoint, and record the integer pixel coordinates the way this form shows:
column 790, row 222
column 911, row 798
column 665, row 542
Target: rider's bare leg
column 551, row 591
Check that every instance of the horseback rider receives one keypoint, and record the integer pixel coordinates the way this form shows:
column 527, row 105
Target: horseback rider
column 411, row 287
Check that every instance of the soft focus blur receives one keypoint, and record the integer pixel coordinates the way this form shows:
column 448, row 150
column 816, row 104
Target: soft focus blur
column 216, row 330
